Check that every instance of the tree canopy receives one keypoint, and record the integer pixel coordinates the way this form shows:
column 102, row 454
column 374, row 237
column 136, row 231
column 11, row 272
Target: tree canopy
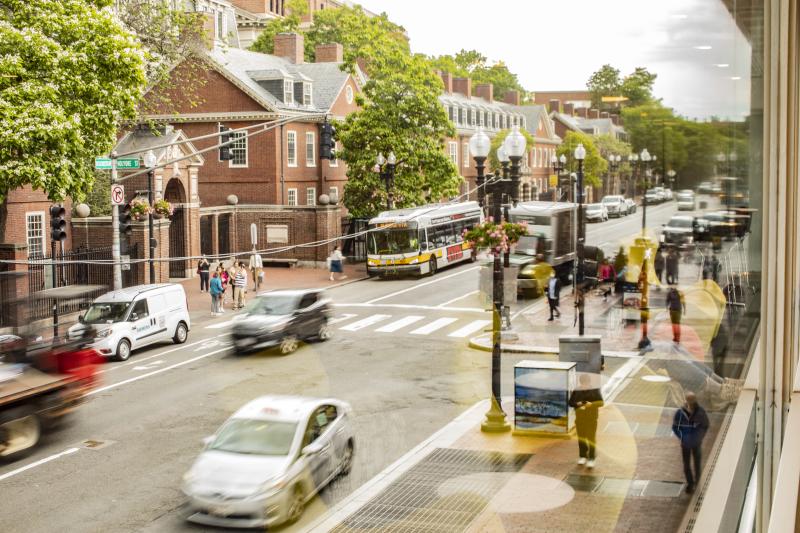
column 594, row 166
column 473, row 64
column 636, row 88
column 69, row 73
column 290, row 23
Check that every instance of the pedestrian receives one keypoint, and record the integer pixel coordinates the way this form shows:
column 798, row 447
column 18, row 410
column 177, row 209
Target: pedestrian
column 690, row 426
column 587, row 402
column 239, row 287
column 658, row 264
column 606, row 275
column 256, row 269
column 676, row 306
column 673, row 260
column 335, row 261
column 553, row 295
column 202, row 269
column 216, row 294
column 711, row 269
column 224, row 281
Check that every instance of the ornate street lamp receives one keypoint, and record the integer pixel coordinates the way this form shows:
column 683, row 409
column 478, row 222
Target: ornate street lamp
column 385, row 167
column 645, row 158
column 479, row 146
column 580, row 155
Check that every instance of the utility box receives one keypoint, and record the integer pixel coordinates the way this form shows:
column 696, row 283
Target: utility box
column 541, row 398
column 584, row 351
column 486, row 284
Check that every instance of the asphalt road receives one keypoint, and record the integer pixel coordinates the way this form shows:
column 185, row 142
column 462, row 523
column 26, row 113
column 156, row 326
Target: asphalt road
column 399, row 355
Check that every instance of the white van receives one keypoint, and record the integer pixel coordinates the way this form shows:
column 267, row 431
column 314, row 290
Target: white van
column 130, row 318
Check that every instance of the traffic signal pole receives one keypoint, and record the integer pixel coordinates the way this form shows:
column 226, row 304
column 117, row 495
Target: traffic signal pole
column 115, row 251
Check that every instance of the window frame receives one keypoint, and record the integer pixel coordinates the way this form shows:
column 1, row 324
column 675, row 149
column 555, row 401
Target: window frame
column 291, row 148
column 465, row 155
column 334, row 163
column 308, row 94
column 41, row 237
column 311, row 144
column 288, row 96
column 234, row 149
column 452, row 151
column 312, row 196
column 291, row 192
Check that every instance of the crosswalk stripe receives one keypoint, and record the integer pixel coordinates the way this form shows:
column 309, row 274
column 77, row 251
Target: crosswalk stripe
column 341, row 318
column 472, row 327
column 361, row 324
column 433, row 326
column 403, row 322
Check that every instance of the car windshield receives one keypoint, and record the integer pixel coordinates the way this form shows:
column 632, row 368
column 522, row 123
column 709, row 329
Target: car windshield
column 681, row 223
column 651, row 191
column 101, row 313
column 685, row 196
column 395, row 241
column 610, row 200
column 594, row 207
column 275, row 304
column 255, row 437
column 527, row 244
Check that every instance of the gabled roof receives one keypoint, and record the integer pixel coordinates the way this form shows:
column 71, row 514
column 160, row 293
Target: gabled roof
column 533, row 114
column 139, row 141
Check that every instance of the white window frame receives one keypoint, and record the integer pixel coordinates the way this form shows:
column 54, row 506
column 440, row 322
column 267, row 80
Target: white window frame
column 291, row 196
column 473, row 119
column 236, row 147
column 311, row 196
column 452, row 148
column 29, row 237
column 291, row 146
column 219, row 24
column 288, row 95
column 480, row 118
column 307, row 94
column 465, row 154
column 333, row 189
column 311, row 143
column 334, row 162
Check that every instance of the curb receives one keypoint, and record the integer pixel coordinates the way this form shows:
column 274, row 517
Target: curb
column 482, row 342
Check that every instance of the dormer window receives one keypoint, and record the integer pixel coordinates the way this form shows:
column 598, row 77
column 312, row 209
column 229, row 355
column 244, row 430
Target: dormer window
column 288, row 92
column 306, row 93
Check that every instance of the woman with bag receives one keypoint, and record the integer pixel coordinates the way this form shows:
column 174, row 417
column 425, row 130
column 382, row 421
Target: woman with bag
column 335, row 261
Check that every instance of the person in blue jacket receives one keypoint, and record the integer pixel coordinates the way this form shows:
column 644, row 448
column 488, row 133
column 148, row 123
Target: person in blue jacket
column 216, row 295
column 690, row 426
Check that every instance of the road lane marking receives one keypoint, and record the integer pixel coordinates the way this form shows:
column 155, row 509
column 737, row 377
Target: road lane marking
column 153, row 373
column 422, row 307
column 149, row 366
column 457, row 299
column 361, row 324
column 472, row 327
column 37, row 463
column 415, row 287
column 220, row 325
column 433, row 326
column 139, row 360
column 403, row 322
column 341, row 318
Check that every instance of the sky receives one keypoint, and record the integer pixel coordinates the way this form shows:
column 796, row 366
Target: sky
column 700, row 56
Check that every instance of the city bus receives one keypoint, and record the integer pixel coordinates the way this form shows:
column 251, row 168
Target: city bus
column 420, row 240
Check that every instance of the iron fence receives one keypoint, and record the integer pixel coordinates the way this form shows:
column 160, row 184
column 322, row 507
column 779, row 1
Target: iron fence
column 354, row 248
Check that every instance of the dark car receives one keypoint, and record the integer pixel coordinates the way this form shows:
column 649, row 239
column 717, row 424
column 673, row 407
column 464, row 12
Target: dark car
column 282, row 319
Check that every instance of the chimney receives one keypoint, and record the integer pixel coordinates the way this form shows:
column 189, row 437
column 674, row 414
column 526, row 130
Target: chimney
column 329, row 53
column 554, row 105
column 569, row 109
column 604, row 114
column 290, row 46
column 511, row 97
column 615, row 119
column 581, row 111
column 462, row 86
column 594, row 113
column 485, row 91
column 447, row 79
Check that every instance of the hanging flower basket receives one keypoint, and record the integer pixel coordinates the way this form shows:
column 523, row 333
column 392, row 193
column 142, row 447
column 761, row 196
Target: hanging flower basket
column 162, row 208
column 139, row 209
column 495, row 237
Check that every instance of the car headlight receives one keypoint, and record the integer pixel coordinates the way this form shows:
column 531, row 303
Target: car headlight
column 272, row 486
column 103, row 334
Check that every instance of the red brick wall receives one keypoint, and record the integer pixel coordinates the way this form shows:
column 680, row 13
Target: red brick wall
column 12, row 216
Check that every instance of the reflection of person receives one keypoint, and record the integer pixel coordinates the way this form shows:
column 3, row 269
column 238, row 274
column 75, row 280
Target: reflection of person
column 676, row 305
column 690, row 425
column 673, row 260
column 658, row 264
column 553, row 294
column 256, row 269
column 587, row 403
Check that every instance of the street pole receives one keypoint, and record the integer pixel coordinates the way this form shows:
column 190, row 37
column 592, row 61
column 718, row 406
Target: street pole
column 507, row 191
column 115, row 252
column 150, row 177
column 54, row 273
column 581, row 250
column 644, row 200
column 480, row 167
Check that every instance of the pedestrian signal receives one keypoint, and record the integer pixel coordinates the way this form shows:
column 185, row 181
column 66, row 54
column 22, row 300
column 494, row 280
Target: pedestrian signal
column 225, row 153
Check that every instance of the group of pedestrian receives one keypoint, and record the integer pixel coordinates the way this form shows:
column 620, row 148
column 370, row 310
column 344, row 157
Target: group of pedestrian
column 671, row 261
column 226, row 284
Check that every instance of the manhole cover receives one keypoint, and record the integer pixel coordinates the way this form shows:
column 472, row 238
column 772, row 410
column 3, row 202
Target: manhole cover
column 442, row 493
column 663, row 489
column 583, row 483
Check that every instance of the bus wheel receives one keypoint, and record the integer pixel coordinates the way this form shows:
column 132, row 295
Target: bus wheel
column 432, row 266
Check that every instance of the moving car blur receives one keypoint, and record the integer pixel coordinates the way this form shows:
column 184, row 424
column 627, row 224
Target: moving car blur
column 268, row 460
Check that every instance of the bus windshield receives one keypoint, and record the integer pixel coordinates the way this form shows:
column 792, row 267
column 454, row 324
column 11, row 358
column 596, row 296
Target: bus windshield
column 393, row 241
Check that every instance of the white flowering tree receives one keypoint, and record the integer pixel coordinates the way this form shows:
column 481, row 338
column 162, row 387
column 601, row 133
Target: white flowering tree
column 69, row 73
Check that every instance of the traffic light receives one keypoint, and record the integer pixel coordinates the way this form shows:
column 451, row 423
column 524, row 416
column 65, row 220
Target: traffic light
column 225, row 150
column 58, row 223
column 327, row 145
column 125, row 227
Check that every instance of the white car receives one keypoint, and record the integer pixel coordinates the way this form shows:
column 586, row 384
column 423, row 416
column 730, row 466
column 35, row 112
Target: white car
column 134, row 317
column 595, row 212
column 686, row 200
column 615, row 205
column 268, row 460
column 631, row 205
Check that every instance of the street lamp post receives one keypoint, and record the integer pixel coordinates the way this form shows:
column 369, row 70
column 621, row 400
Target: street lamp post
column 633, row 159
column 385, row 167
column 613, row 165
column 479, row 147
column 558, row 164
column 580, row 155
column 645, row 158
column 150, row 163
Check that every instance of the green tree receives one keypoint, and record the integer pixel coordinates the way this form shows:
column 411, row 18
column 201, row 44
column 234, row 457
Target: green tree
column 658, row 129
column 98, row 199
column 637, row 87
column 473, row 64
column 594, row 166
column 290, row 23
column 604, row 82
column 499, row 139
column 69, row 73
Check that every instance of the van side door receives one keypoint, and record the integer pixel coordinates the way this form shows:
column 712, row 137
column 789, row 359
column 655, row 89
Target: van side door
column 141, row 323
column 162, row 319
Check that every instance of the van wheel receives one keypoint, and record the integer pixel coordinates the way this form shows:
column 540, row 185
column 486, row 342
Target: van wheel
column 181, row 334
column 123, row 350
column 20, row 430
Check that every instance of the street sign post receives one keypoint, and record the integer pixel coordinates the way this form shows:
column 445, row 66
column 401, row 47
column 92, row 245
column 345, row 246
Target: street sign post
column 104, row 163
column 117, row 194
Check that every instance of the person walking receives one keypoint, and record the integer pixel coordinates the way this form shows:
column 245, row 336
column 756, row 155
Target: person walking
column 256, row 269
column 553, row 295
column 690, row 425
column 606, row 275
column 225, row 281
column 335, row 261
column 216, row 291
column 658, row 264
column 202, row 269
column 239, row 287
column 587, row 402
column 676, row 306
column 673, row 260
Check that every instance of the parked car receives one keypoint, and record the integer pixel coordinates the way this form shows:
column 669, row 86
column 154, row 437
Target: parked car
column 668, row 194
column 631, row 205
column 268, row 460
column 282, row 319
column 615, row 205
column 679, row 230
column 128, row 319
column 651, row 196
column 661, row 196
column 686, row 201
column 595, row 213
column 705, row 187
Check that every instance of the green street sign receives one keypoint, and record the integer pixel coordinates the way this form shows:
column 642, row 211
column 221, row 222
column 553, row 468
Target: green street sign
column 104, row 163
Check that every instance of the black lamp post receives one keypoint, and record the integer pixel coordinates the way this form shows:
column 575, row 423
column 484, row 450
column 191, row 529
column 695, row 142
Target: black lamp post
column 613, row 165
column 558, row 164
column 580, row 155
column 150, row 163
column 385, row 167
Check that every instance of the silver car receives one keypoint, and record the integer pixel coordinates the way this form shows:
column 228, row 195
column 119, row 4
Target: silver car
column 268, row 460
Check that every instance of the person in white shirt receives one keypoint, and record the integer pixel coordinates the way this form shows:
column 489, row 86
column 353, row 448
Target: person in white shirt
column 335, row 261
column 256, row 269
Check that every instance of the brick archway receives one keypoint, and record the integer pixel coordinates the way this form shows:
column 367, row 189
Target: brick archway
column 175, row 193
